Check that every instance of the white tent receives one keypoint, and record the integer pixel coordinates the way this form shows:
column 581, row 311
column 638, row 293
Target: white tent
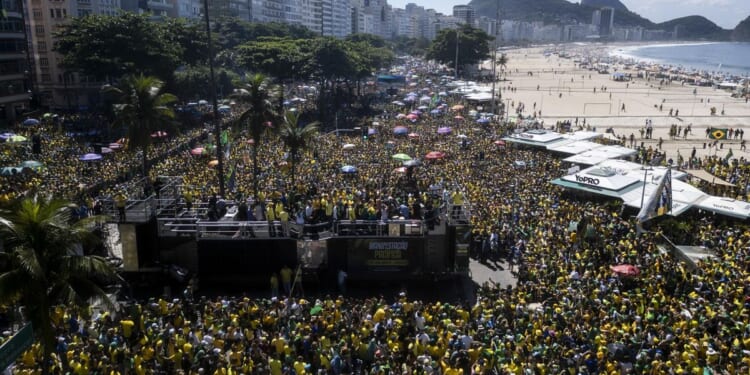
column 601, row 154
column 725, row 206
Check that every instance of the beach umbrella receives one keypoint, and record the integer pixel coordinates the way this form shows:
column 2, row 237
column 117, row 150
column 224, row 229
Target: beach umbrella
column 315, row 310
column 349, row 169
column 457, row 107
column 107, row 150
column 444, row 130
column 473, row 113
column 401, row 157
column 413, row 135
column 9, row 171
column 423, row 107
column 30, row 122
column 458, row 118
column 435, row 112
column 348, row 146
column 434, row 155
column 400, row 130
column 462, row 136
column 500, row 142
column 442, row 93
column 412, row 117
column 400, row 170
column 159, row 134
column 483, row 121
column 32, row 164
column 90, row 157
column 202, row 102
column 371, row 131
column 251, row 141
column 400, row 116
column 411, row 163
column 16, row 138
column 625, row 270
column 6, row 136
column 197, row 151
column 115, row 146
column 213, row 163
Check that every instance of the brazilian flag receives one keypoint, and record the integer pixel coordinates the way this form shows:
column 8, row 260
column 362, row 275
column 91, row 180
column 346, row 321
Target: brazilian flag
column 716, row 133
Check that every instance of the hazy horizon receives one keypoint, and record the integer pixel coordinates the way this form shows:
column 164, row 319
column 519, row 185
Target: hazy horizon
column 725, row 13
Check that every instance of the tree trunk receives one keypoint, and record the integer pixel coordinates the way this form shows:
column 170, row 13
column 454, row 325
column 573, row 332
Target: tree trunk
column 255, row 168
column 293, row 156
column 46, row 334
column 145, row 166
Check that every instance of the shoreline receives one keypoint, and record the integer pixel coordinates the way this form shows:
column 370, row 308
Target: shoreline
column 558, row 89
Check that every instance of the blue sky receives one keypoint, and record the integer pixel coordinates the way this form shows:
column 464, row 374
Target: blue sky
column 726, row 13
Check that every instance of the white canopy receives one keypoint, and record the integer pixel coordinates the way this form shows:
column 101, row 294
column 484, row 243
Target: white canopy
column 725, row 206
column 601, row 154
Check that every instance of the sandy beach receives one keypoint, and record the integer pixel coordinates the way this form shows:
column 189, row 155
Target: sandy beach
column 562, row 91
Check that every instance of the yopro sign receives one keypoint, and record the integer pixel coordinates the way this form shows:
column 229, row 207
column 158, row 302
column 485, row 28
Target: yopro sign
column 587, row 180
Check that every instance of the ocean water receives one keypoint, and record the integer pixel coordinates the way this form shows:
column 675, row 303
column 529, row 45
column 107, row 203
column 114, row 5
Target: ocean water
column 730, row 58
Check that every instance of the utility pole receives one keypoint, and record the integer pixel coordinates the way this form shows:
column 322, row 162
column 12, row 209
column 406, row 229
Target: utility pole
column 456, row 65
column 212, row 88
column 494, row 57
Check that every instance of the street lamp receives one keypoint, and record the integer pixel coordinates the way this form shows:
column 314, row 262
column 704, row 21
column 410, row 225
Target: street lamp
column 212, row 87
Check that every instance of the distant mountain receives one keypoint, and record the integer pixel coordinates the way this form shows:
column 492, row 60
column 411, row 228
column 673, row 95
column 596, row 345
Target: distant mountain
column 695, row 27
column 563, row 12
column 741, row 33
column 555, row 11
column 616, row 4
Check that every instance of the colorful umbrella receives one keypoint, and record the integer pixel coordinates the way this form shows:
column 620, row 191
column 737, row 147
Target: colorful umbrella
column 457, row 107
column 434, row 155
column 458, row 118
column 90, row 157
column 6, row 136
column 33, row 164
column 625, row 270
column 348, row 146
column 17, row 138
column 115, row 146
column 413, row 135
column 401, row 157
column 30, row 122
column 411, row 163
column 197, row 151
column 400, row 130
column 349, row 169
column 444, row 130
column 500, row 143
column 371, row 131
column 400, row 170
column 213, row 163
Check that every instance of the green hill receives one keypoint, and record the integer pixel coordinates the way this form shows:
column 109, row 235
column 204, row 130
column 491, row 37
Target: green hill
column 615, row 4
column 554, row 11
column 741, row 33
column 695, row 27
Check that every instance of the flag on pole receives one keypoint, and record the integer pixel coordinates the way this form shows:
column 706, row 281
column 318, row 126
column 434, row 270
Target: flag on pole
column 729, row 155
column 231, row 177
column 660, row 201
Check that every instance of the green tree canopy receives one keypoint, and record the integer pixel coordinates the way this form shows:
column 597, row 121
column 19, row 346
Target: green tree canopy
column 473, row 46
column 280, row 58
column 296, row 138
column 141, row 107
column 109, row 47
column 43, row 268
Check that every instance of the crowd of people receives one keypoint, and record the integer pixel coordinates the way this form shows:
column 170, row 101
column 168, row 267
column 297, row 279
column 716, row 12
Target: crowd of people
column 568, row 314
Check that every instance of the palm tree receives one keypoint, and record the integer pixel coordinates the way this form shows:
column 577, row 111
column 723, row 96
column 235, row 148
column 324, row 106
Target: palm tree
column 502, row 61
column 42, row 268
column 257, row 96
column 296, row 138
column 143, row 108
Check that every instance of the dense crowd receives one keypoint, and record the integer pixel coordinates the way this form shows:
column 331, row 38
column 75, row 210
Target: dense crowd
column 568, row 314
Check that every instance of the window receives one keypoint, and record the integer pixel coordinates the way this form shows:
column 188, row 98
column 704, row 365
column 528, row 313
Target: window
column 46, row 78
column 41, row 46
column 37, row 13
column 43, row 61
column 39, row 30
column 84, row 12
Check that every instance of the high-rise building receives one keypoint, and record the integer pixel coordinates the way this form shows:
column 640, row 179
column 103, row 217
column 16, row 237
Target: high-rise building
column 15, row 83
column 55, row 86
column 607, row 22
column 465, row 13
column 596, row 17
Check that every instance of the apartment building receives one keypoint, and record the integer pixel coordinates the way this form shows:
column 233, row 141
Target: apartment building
column 15, row 83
